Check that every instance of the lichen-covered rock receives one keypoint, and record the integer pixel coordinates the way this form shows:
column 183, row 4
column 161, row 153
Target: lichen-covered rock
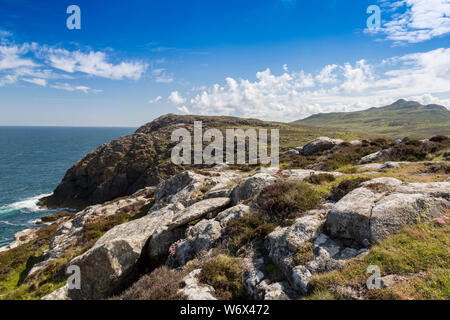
column 380, row 207
column 277, row 291
column 300, row 279
column 399, row 209
column 283, row 243
column 70, row 231
column 194, row 290
column 252, row 186
column 376, row 156
column 232, row 213
column 330, row 255
column 113, row 261
column 204, row 235
column 320, row 144
column 58, row 294
column 115, row 169
column 21, row 238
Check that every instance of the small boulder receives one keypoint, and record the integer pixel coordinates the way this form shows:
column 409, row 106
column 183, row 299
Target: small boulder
column 320, row 144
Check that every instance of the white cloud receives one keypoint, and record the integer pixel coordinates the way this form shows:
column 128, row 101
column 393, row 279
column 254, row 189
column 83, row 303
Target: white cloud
column 68, row 87
column 419, row 20
column 37, row 64
column 347, row 87
column 162, row 76
column 157, row 99
column 326, row 75
column 5, row 34
column 94, row 63
column 37, row 81
column 12, row 56
column 176, row 98
column 183, row 109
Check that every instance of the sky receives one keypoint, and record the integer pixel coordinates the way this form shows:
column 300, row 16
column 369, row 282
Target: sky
column 282, row 60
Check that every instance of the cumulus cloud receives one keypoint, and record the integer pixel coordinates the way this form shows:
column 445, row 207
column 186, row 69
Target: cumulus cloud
column 348, row 87
column 415, row 21
column 183, row 109
column 176, row 98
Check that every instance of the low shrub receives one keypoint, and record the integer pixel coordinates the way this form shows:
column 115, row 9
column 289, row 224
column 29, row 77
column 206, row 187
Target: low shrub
column 162, row 284
column 224, row 274
column 304, row 254
column 245, row 229
column 345, row 187
column 320, row 178
column 283, row 198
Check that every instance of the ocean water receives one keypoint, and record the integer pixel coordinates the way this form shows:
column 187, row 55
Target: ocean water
column 33, row 160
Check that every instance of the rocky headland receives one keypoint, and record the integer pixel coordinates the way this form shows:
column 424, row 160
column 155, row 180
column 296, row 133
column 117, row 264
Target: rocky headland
column 149, row 229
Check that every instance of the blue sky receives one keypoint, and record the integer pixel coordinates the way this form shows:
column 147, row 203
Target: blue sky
column 133, row 61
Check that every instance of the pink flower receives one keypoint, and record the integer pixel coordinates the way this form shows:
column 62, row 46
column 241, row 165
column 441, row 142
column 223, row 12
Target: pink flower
column 400, row 279
column 439, row 221
column 173, row 247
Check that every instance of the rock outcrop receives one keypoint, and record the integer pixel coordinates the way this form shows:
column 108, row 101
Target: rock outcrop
column 130, row 163
column 380, row 207
column 320, row 144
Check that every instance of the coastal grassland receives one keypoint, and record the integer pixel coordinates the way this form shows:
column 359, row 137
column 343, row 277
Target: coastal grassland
column 16, row 263
column 419, row 254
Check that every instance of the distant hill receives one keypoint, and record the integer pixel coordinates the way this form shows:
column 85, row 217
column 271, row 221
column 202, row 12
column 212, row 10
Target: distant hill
column 400, row 119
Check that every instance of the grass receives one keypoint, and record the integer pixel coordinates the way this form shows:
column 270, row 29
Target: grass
column 287, row 199
column 395, row 121
column 420, row 253
column 16, row 263
column 224, row 274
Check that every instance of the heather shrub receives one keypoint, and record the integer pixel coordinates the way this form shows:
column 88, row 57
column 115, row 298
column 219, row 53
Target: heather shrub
column 224, row 274
column 245, row 229
column 284, row 198
column 345, row 187
column 320, row 178
column 162, row 284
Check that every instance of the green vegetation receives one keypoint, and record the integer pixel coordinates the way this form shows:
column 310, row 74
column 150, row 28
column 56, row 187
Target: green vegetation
column 320, row 178
column 287, row 199
column 304, row 254
column 401, row 119
column 247, row 228
column 420, row 254
column 16, row 263
column 224, row 274
column 344, row 187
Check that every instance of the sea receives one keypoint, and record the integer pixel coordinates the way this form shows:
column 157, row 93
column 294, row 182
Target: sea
column 33, row 160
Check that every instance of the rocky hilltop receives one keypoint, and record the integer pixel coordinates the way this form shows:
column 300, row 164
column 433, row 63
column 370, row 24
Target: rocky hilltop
column 402, row 118
column 127, row 164
column 307, row 230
